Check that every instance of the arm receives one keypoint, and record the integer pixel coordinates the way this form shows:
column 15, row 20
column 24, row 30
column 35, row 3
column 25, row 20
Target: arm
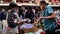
column 51, row 16
column 50, row 13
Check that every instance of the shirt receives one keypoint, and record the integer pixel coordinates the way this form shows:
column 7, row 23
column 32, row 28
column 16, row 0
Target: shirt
column 49, row 24
column 3, row 15
column 12, row 19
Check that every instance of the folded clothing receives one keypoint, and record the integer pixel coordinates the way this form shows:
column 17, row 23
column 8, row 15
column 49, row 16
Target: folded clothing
column 26, row 25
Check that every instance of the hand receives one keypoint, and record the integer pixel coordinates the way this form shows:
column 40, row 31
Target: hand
column 8, row 28
column 35, row 21
column 23, row 20
column 41, row 17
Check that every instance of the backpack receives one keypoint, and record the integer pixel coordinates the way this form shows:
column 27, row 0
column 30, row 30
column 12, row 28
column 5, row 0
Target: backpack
column 10, row 20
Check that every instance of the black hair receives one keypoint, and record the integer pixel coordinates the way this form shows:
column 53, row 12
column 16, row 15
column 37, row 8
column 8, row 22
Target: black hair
column 12, row 5
column 43, row 2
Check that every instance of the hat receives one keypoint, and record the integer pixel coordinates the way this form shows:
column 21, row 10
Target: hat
column 12, row 5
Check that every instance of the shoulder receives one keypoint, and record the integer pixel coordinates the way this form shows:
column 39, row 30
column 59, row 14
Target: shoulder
column 48, row 6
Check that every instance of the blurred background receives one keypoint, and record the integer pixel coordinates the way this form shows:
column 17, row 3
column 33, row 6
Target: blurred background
column 25, row 5
column 54, row 3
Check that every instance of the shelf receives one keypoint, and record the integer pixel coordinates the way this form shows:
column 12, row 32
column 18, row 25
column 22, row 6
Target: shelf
column 55, row 5
column 19, row 4
column 27, row 4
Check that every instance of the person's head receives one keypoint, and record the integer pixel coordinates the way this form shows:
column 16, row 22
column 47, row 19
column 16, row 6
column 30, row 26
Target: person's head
column 29, row 9
column 43, row 4
column 13, row 6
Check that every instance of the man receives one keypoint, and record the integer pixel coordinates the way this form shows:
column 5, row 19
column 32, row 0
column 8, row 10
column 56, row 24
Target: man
column 47, row 17
column 3, row 18
column 13, row 18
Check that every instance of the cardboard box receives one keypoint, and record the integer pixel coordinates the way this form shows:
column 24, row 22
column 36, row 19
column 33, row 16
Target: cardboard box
column 30, row 30
column 22, row 31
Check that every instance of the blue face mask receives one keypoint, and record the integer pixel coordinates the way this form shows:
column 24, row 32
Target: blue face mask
column 13, row 11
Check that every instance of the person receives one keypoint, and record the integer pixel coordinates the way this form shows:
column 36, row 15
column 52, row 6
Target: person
column 0, row 23
column 22, row 12
column 57, row 13
column 47, row 18
column 13, row 18
column 29, row 14
column 4, row 22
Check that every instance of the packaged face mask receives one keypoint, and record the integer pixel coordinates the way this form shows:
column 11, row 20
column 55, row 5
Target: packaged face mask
column 15, row 20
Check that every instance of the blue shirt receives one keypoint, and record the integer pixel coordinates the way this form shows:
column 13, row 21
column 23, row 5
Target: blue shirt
column 49, row 24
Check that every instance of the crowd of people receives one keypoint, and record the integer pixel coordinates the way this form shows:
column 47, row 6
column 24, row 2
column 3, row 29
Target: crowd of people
column 9, row 20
